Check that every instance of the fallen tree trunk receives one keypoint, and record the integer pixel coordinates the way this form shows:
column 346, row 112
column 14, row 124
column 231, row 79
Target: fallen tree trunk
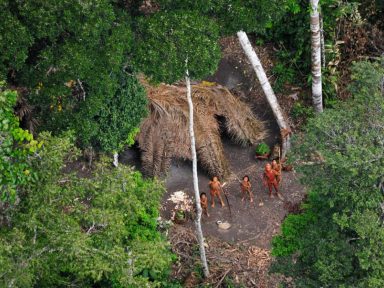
column 268, row 91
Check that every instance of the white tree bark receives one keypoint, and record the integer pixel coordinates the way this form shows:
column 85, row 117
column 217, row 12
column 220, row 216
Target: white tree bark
column 322, row 42
column 199, row 231
column 317, row 93
column 115, row 159
column 268, row 91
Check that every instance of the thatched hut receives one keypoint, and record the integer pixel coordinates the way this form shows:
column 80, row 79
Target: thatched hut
column 164, row 133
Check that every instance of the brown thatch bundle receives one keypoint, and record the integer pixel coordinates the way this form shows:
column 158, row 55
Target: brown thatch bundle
column 164, row 133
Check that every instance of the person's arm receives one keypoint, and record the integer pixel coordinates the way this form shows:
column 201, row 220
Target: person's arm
column 264, row 179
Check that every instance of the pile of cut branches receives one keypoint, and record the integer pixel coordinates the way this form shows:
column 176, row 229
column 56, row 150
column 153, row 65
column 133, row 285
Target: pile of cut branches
column 238, row 263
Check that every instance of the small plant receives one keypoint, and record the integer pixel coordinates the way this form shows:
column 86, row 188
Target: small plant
column 180, row 215
column 262, row 149
column 284, row 75
column 299, row 110
column 229, row 283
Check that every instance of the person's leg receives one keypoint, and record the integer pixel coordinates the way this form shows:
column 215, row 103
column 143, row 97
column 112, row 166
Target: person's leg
column 221, row 199
column 278, row 192
column 278, row 178
column 242, row 195
column 212, row 199
column 270, row 190
column 250, row 196
column 276, row 187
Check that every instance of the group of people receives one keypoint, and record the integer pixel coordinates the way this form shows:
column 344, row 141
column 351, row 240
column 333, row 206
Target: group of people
column 271, row 178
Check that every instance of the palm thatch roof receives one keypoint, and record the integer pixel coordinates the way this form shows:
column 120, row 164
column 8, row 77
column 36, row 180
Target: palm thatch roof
column 164, row 133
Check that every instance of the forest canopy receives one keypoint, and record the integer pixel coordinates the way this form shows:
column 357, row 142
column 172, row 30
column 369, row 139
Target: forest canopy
column 72, row 60
column 337, row 240
column 69, row 73
column 95, row 231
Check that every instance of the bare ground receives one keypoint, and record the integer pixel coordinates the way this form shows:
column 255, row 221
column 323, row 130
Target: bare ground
column 251, row 222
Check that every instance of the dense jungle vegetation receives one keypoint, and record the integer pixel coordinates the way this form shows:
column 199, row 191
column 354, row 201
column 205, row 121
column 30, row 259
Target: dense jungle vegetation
column 70, row 85
column 336, row 241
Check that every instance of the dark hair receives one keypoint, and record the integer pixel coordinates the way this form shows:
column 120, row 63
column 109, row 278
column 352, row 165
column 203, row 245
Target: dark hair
column 203, row 193
column 247, row 177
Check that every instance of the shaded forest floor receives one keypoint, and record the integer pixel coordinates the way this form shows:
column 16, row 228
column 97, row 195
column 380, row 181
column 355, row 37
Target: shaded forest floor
column 241, row 254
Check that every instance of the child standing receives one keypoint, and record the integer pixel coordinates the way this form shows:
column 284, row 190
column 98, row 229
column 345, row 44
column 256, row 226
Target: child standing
column 204, row 203
column 246, row 188
column 215, row 190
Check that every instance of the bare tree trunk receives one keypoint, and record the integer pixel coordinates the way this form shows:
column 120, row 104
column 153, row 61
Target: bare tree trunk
column 199, row 231
column 322, row 42
column 268, row 91
column 317, row 92
column 115, row 159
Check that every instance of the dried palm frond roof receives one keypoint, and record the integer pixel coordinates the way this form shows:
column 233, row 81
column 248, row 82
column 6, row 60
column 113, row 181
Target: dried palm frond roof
column 164, row 133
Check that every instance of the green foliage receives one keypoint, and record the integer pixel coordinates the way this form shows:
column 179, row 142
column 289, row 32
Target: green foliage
column 89, row 232
column 166, row 40
column 299, row 110
column 16, row 146
column 14, row 40
column 109, row 123
column 262, row 149
column 74, row 68
column 337, row 241
column 250, row 15
column 292, row 34
column 234, row 15
column 291, row 229
column 180, row 215
column 284, row 75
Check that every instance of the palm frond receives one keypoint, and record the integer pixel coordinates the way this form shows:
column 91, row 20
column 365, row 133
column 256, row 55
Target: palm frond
column 164, row 133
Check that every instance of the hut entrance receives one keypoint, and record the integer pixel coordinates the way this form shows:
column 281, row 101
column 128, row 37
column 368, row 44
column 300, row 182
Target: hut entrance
column 131, row 156
column 222, row 127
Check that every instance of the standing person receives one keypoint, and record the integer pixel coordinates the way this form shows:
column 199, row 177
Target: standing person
column 269, row 178
column 277, row 167
column 215, row 190
column 246, row 188
column 204, row 203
